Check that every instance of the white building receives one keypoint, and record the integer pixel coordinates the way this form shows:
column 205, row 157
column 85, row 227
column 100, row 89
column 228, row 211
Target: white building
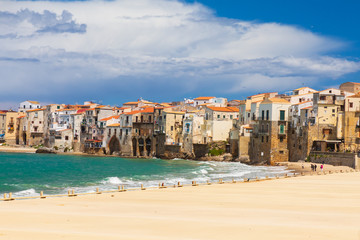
column 28, row 105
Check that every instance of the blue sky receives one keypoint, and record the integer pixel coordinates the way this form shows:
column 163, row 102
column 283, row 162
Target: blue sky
column 163, row 50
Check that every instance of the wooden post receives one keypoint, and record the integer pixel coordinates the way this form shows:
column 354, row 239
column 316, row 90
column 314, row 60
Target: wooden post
column 42, row 195
column 5, row 196
column 142, row 187
column 294, row 174
column 277, row 176
column 233, row 181
column 69, row 193
column 194, row 183
column 179, row 185
column 97, row 191
column 221, row 181
column 257, row 179
column 208, row 182
column 302, row 174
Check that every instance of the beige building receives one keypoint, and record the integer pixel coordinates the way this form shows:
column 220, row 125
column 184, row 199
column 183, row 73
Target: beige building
column 11, row 126
column 218, row 123
column 2, row 122
column 35, row 127
column 172, row 126
column 268, row 142
column 352, row 87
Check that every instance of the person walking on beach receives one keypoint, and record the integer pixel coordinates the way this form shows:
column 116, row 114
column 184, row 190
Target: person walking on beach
column 315, row 167
column 321, row 167
column 312, row 167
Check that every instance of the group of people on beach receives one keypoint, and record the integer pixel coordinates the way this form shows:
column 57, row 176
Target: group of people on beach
column 314, row 166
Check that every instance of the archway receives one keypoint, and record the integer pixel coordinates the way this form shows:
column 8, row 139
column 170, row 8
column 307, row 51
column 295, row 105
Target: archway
column 134, row 145
column 141, row 146
column 148, row 146
column 114, row 145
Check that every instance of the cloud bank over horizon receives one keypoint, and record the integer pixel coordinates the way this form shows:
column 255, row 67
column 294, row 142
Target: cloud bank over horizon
column 67, row 51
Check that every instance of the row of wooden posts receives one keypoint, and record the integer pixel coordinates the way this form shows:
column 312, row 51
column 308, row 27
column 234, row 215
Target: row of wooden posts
column 71, row 193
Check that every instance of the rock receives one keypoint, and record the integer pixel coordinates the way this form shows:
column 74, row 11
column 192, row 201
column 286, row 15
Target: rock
column 45, row 150
column 244, row 159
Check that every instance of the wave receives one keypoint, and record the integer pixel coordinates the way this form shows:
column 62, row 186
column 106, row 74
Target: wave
column 25, row 193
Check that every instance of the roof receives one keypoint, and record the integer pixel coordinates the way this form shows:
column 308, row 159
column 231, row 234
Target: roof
column 354, row 96
column 131, row 103
column 301, row 103
column 224, row 109
column 261, row 94
column 21, row 117
column 275, row 100
column 309, row 107
column 33, row 102
column 36, row 110
column 204, row 98
column 114, row 125
column 174, row 112
column 63, row 130
column 111, row 117
column 301, row 88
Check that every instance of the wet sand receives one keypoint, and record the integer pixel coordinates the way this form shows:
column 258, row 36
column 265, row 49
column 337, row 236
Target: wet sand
column 309, row 207
column 17, row 149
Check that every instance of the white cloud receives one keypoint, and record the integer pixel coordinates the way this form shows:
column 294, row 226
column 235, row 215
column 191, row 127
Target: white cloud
column 62, row 44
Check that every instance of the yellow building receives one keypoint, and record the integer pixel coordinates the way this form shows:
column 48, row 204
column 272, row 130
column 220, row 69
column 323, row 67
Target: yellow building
column 12, row 127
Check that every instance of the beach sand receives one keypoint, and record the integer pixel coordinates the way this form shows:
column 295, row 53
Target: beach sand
column 309, row 207
column 17, row 150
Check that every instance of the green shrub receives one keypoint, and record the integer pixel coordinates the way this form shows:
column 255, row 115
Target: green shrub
column 56, row 148
column 216, row 152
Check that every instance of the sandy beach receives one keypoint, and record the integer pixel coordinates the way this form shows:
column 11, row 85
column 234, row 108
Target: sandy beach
column 309, row 207
column 17, row 149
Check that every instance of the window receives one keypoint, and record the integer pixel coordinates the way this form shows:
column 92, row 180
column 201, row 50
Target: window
column 262, row 115
column 218, row 116
column 281, row 152
column 262, row 138
column 172, row 128
column 282, row 115
column 282, row 129
column 231, row 116
column 149, row 118
column 224, row 116
column 126, row 132
column 282, row 139
column 121, row 132
column 333, row 110
column 66, row 138
column 350, row 104
column 267, row 138
column 267, row 114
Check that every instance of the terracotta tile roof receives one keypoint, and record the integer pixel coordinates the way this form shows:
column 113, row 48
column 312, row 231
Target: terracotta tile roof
column 309, row 107
column 114, row 125
column 80, row 111
column 19, row 117
column 204, row 98
column 108, row 118
column 224, row 109
column 63, row 110
column 33, row 102
column 131, row 103
column 275, row 100
column 354, row 96
column 63, row 130
column 260, row 94
column 36, row 110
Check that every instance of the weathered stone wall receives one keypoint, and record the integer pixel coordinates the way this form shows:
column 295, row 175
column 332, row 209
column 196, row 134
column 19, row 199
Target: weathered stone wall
column 172, row 148
column 234, row 147
column 244, row 146
column 336, row 159
column 200, row 150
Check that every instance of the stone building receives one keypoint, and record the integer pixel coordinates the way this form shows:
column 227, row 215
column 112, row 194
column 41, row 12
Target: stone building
column 35, row 126
column 352, row 87
column 268, row 142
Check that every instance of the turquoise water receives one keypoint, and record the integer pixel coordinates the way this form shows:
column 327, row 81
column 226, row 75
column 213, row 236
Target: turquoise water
column 28, row 174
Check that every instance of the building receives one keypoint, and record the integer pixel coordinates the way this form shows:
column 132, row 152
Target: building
column 268, row 142
column 352, row 87
column 218, row 123
column 28, row 105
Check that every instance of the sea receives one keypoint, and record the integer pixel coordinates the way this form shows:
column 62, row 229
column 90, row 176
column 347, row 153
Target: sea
column 26, row 174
